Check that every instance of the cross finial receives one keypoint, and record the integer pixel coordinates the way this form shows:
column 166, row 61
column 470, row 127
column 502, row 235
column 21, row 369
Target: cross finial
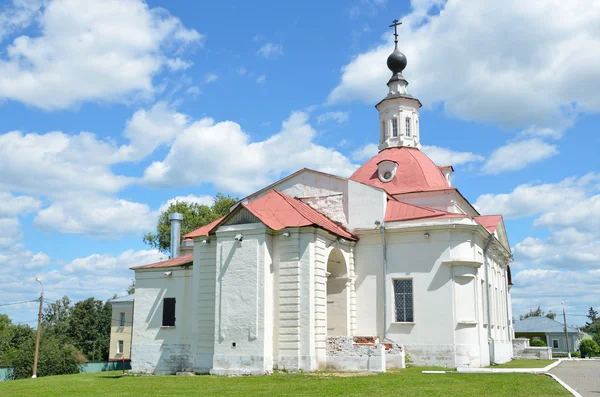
column 395, row 25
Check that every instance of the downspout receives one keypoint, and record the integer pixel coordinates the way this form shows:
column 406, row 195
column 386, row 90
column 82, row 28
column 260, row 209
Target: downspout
column 384, row 247
column 489, row 305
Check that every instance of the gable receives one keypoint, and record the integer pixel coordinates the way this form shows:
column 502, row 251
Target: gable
column 242, row 217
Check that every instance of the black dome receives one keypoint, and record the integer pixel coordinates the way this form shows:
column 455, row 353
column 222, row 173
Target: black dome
column 396, row 62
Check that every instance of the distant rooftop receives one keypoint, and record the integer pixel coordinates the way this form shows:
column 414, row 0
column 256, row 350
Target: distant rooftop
column 127, row 298
column 541, row 324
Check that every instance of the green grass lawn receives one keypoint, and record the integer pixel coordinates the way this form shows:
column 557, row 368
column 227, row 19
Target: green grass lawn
column 524, row 364
column 407, row 382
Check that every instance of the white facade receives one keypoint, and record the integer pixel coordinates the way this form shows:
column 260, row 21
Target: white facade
column 417, row 271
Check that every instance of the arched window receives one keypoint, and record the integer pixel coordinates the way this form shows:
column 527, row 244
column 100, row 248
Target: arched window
column 394, row 127
column 407, row 125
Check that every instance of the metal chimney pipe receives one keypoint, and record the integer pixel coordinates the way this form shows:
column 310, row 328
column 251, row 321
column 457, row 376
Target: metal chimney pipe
column 175, row 219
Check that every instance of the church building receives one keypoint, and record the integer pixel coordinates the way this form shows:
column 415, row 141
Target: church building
column 318, row 271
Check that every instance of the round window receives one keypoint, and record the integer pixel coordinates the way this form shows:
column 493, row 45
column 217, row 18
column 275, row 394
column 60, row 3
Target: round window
column 387, row 175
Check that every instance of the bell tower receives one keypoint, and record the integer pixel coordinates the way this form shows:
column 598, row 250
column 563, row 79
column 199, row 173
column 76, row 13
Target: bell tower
column 398, row 111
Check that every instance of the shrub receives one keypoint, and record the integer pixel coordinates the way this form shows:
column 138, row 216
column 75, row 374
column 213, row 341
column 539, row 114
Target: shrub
column 589, row 347
column 537, row 343
column 575, row 354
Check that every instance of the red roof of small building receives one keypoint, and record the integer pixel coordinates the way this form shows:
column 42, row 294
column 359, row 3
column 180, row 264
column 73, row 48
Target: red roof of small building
column 179, row 261
column 278, row 211
column 490, row 222
column 399, row 211
column 204, row 230
column 415, row 172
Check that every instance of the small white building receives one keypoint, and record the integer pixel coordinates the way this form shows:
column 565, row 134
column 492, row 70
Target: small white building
column 318, row 271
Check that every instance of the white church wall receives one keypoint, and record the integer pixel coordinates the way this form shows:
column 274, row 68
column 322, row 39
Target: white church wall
column 203, row 333
column 244, row 315
column 366, row 205
column 448, row 299
column 157, row 349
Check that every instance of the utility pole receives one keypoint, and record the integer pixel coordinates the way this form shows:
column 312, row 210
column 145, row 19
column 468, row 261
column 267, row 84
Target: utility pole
column 566, row 333
column 39, row 330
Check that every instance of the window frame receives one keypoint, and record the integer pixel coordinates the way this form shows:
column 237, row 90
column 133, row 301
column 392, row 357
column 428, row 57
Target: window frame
column 412, row 293
column 407, row 126
column 121, row 319
column 557, row 344
column 120, row 346
column 165, row 316
column 394, row 128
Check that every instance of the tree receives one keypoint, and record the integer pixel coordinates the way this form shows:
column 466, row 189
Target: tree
column 131, row 289
column 89, row 328
column 537, row 313
column 589, row 347
column 594, row 324
column 194, row 216
column 56, row 316
column 56, row 356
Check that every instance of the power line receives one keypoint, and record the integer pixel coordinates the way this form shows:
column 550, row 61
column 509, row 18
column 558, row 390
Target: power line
column 19, row 303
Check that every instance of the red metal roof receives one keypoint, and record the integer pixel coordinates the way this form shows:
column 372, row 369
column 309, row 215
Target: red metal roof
column 399, row 211
column 182, row 260
column 490, row 222
column 278, row 211
column 204, row 230
column 415, row 172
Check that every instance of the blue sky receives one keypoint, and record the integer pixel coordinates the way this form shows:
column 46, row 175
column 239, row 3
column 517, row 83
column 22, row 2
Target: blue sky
column 109, row 111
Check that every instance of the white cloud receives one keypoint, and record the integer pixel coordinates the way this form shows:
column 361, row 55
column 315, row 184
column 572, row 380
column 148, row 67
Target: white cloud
column 90, row 50
column 178, row 64
column 10, row 232
column 518, row 155
column 194, row 91
column 149, row 129
column 18, row 15
column 542, row 80
column 440, row 156
column 269, row 50
column 339, row 117
column 584, row 214
column 55, row 163
column 190, row 198
column 97, row 216
column 261, row 79
column 444, row 156
column 17, row 205
column 564, row 249
column 211, row 78
column 532, row 199
column 365, row 152
column 96, row 275
column 242, row 71
column 223, row 154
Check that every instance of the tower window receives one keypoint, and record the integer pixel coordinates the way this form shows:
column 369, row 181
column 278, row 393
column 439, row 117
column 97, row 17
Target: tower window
column 407, row 122
column 382, row 131
column 394, row 127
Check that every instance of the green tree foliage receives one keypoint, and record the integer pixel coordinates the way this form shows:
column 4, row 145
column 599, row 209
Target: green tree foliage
column 589, row 348
column 194, row 216
column 131, row 289
column 537, row 343
column 597, row 338
column 56, row 316
column 593, row 325
column 537, row 313
column 56, row 356
column 89, row 328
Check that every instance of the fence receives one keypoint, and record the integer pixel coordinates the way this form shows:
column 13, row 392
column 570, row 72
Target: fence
column 100, row 366
column 5, row 374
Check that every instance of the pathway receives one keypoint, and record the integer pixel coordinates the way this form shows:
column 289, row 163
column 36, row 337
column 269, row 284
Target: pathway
column 581, row 375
